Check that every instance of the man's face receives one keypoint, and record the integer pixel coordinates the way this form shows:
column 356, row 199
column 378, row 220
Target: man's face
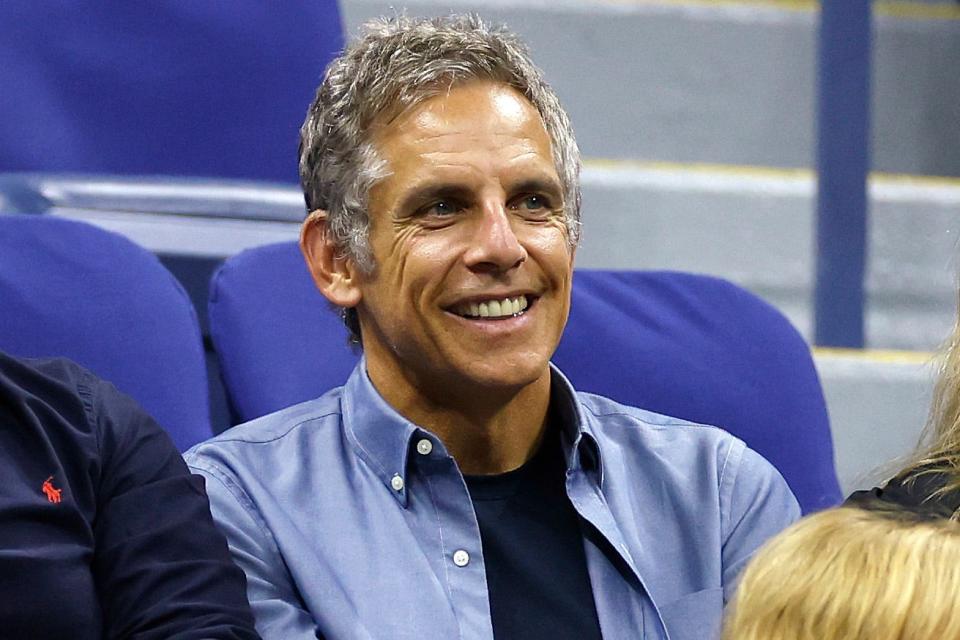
column 472, row 283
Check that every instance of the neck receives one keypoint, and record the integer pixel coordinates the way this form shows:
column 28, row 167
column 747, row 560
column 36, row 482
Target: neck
column 487, row 431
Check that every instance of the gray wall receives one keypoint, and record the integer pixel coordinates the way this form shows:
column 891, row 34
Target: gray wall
column 691, row 82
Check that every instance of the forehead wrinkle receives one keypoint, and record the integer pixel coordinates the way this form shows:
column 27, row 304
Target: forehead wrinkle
column 467, row 134
column 450, row 167
column 472, row 173
column 515, row 148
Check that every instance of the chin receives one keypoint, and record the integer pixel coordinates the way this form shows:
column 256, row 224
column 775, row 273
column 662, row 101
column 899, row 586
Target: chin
column 507, row 376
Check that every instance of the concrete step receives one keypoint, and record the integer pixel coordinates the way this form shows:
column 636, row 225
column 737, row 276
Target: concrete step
column 724, row 81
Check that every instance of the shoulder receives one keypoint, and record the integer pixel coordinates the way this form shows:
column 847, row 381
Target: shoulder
column 698, row 488
column 922, row 490
column 272, row 435
column 55, row 399
column 86, row 432
column 676, row 438
column 47, row 378
column 694, row 462
column 260, row 462
column 61, row 386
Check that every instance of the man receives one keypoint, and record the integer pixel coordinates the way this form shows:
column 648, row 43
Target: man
column 457, row 486
column 103, row 531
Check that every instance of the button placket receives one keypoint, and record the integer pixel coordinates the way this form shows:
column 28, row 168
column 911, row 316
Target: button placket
column 459, row 540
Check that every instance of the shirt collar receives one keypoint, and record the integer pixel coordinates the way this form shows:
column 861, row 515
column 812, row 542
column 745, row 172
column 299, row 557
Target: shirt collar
column 382, row 436
column 580, row 446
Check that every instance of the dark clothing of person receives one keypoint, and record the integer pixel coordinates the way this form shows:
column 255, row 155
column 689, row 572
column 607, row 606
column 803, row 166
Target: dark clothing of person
column 915, row 493
column 539, row 587
column 103, row 531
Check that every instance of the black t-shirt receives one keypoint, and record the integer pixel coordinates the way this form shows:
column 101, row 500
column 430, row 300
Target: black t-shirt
column 103, row 531
column 533, row 551
column 914, row 493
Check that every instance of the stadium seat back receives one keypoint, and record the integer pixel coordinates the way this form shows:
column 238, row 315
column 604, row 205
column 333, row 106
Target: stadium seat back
column 206, row 89
column 73, row 290
column 706, row 350
column 277, row 339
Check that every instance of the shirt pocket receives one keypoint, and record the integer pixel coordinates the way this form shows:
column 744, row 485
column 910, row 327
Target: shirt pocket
column 695, row 616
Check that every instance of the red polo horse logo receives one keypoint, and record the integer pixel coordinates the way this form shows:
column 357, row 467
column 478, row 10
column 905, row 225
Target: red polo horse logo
column 52, row 493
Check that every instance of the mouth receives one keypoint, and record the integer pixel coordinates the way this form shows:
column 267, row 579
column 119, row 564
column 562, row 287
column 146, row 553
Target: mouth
column 494, row 309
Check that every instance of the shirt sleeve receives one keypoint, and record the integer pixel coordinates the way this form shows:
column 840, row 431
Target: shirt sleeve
column 161, row 568
column 757, row 504
column 277, row 607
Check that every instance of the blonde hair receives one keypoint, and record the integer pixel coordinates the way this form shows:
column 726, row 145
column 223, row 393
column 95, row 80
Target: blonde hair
column 852, row 574
column 940, row 451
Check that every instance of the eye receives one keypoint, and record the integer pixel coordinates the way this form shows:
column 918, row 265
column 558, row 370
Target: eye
column 534, row 203
column 442, row 208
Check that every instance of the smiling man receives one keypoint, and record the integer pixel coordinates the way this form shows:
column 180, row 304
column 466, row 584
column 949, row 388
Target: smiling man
column 457, row 486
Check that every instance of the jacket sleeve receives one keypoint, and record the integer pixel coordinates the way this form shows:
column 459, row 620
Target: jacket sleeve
column 161, row 568
column 756, row 504
column 277, row 607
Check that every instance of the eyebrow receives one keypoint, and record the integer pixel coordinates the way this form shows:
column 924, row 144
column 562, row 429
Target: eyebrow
column 538, row 185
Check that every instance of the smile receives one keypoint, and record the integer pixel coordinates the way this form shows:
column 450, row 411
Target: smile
column 503, row 308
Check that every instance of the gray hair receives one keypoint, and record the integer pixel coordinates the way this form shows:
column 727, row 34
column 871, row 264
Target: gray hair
column 397, row 63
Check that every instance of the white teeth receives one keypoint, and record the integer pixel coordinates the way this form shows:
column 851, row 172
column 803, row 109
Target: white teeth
column 493, row 308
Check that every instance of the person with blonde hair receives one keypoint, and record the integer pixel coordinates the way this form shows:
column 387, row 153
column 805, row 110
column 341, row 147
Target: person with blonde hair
column 880, row 573
column 930, row 481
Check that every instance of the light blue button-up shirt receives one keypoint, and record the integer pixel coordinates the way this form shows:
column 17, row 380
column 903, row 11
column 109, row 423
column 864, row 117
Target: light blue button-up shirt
column 349, row 527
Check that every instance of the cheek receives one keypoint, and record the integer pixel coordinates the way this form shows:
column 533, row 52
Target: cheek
column 433, row 250
column 549, row 245
column 418, row 263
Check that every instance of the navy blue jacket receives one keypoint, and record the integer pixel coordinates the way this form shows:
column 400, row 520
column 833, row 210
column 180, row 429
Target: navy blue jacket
column 103, row 531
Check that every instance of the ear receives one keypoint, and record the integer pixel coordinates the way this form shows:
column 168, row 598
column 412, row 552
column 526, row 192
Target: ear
column 335, row 275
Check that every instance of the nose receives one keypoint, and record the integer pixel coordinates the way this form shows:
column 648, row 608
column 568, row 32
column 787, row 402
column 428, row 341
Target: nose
column 495, row 247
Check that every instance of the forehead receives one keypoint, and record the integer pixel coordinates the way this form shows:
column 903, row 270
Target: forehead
column 470, row 117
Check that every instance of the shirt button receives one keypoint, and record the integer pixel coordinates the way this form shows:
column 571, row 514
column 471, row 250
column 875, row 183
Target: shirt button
column 461, row 558
column 424, row 447
column 396, row 482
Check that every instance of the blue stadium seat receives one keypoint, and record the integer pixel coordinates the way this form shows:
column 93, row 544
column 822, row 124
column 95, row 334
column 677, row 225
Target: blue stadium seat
column 277, row 339
column 212, row 89
column 691, row 346
column 706, row 350
column 73, row 290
